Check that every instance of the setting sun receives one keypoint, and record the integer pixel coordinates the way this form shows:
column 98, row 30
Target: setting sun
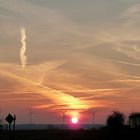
column 74, row 120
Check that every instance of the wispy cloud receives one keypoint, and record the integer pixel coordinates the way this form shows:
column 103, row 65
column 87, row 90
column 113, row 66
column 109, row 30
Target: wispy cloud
column 23, row 49
column 71, row 67
column 132, row 10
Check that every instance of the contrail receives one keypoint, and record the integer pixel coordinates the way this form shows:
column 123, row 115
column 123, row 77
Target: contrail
column 23, row 57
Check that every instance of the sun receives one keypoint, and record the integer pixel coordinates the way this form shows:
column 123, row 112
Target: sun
column 74, row 120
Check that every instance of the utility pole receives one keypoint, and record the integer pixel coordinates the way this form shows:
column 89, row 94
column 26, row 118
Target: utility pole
column 64, row 118
column 93, row 117
column 30, row 115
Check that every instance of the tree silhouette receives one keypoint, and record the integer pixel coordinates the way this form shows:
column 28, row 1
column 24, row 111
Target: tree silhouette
column 116, row 120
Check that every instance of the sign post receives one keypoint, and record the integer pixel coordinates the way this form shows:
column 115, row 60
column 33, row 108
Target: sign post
column 14, row 127
column 11, row 119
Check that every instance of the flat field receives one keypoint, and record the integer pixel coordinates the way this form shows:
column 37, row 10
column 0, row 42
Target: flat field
column 101, row 134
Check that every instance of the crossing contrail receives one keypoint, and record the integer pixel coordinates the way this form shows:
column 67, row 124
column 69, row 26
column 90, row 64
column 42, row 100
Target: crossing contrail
column 23, row 57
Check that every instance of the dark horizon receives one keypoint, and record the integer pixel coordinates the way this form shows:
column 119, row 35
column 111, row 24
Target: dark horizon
column 69, row 58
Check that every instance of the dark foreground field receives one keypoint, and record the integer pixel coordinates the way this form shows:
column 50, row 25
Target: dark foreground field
column 102, row 134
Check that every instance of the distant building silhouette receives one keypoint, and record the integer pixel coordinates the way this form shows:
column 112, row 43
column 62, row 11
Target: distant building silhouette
column 134, row 120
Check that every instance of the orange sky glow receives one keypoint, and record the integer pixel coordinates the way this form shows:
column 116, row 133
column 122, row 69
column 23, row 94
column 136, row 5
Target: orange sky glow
column 65, row 58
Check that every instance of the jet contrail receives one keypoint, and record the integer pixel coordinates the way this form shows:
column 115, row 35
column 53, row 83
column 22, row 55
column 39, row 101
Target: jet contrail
column 23, row 57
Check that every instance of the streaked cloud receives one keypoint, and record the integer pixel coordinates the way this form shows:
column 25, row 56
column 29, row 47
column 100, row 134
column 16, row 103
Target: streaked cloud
column 72, row 65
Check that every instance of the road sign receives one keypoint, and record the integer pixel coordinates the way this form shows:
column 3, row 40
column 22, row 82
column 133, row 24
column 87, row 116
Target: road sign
column 9, row 118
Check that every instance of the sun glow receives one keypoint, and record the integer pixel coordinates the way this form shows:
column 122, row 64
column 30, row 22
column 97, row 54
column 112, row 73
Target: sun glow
column 74, row 120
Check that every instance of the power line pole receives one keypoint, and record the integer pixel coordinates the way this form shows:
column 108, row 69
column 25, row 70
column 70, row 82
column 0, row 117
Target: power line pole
column 30, row 115
column 64, row 117
column 93, row 117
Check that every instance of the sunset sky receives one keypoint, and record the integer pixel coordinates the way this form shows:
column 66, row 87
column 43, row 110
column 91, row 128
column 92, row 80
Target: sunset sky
column 72, row 56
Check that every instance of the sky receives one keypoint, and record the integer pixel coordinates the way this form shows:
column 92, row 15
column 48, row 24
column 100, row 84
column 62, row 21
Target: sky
column 72, row 57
